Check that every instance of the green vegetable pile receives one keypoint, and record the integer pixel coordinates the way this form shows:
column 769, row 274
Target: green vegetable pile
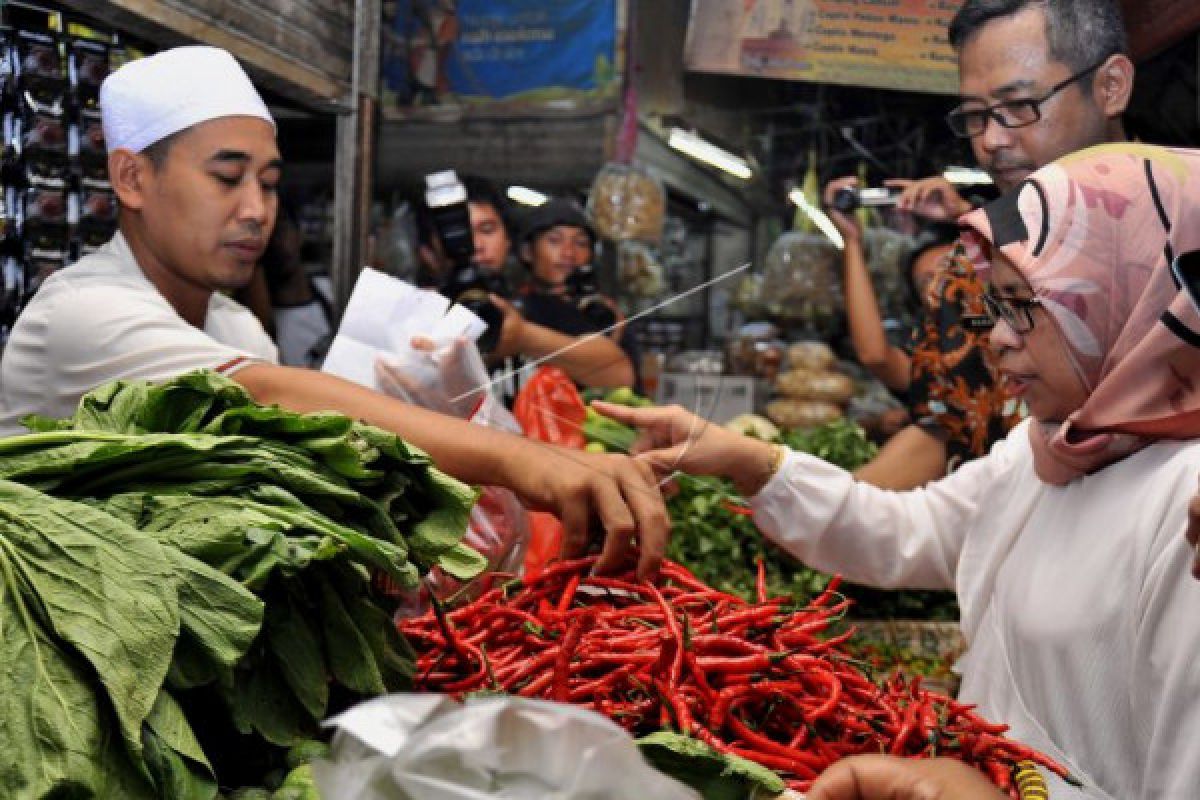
column 185, row 588
column 841, row 442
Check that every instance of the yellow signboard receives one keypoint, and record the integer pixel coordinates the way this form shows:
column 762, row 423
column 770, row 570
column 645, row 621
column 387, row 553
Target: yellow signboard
column 892, row 44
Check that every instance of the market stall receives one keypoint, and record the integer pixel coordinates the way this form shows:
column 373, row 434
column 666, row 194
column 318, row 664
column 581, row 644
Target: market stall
column 205, row 597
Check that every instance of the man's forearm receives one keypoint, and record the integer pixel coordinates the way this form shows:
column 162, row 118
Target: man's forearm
column 590, row 360
column 909, row 460
column 469, row 452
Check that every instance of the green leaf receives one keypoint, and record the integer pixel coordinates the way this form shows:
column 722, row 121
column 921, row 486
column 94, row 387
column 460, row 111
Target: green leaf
column 174, row 757
column 393, row 654
column 445, row 523
column 297, row 651
column 347, row 650
column 104, row 587
column 462, row 562
column 221, row 616
column 261, row 701
column 57, row 738
column 717, row 776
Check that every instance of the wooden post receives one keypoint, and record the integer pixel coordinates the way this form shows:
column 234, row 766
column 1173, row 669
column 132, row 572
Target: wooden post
column 354, row 162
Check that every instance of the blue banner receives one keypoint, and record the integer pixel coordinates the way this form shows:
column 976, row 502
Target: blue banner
column 445, row 50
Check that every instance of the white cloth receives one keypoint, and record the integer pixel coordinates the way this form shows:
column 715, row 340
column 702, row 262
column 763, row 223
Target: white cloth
column 101, row 319
column 147, row 100
column 303, row 331
column 1082, row 618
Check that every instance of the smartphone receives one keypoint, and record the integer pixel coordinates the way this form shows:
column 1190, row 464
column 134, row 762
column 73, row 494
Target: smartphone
column 1186, row 267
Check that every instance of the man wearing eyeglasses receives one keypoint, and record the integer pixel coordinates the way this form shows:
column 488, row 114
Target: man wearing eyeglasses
column 1037, row 79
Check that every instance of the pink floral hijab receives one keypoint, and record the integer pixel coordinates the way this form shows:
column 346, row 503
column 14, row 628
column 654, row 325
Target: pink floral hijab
column 1094, row 234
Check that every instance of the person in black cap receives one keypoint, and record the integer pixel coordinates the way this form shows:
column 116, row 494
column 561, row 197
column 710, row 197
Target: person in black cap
column 556, row 244
column 595, row 363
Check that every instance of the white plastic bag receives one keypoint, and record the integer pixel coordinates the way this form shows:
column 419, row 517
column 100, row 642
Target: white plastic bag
column 449, row 376
column 426, row 747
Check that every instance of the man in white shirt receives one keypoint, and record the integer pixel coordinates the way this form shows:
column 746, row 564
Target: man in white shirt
column 194, row 163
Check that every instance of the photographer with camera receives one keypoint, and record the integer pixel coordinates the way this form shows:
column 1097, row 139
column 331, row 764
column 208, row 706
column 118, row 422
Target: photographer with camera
column 556, row 245
column 892, row 365
column 465, row 247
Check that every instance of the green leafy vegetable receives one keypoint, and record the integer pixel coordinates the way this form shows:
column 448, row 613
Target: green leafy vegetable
column 841, row 442
column 178, row 536
column 716, row 776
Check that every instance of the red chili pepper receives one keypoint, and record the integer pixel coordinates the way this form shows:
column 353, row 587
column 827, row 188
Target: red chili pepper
column 760, row 579
column 802, row 764
column 737, row 508
column 568, row 595
column 673, row 629
column 677, row 652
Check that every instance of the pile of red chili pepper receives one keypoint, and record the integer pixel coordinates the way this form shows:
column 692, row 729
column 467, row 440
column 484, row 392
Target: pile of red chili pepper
column 760, row 680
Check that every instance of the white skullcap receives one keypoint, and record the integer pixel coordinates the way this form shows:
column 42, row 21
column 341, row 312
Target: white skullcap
column 151, row 98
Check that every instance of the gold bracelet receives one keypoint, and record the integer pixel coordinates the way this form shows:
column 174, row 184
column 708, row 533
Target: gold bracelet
column 778, row 454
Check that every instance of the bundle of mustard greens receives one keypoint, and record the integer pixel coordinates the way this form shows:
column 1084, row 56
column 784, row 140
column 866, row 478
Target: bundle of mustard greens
column 185, row 587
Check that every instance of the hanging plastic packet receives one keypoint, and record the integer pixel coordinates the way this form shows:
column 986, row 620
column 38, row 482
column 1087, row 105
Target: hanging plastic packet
column 41, row 139
column 41, row 263
column 12, row 273
column 39, row 69
column 87, row 67
column 43, row 224
column 96, row 216
column 87, row 145
column 7, row 70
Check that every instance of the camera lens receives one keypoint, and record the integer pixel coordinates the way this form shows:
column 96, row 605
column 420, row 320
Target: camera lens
column 845, row 200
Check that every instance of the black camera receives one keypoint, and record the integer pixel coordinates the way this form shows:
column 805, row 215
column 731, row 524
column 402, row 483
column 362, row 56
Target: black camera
column 848, row 199
column 466, row 284
column 581, row 286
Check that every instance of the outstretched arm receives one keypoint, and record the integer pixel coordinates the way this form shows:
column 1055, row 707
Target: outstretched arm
column 619, row 492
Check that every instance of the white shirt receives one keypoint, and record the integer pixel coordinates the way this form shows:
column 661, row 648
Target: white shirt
column 101, row 319
column 301, row 330
column 1077, row 602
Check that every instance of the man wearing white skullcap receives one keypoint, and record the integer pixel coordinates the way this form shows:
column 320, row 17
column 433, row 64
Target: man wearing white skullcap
column 193, row 160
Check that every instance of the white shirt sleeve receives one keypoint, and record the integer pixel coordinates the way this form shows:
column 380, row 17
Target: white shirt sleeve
column 820, row 514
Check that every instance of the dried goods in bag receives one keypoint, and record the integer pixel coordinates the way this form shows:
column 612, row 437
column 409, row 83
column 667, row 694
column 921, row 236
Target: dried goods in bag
column 627, row 202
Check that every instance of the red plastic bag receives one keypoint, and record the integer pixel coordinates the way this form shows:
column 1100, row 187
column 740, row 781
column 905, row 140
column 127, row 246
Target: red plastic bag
column 549, row 409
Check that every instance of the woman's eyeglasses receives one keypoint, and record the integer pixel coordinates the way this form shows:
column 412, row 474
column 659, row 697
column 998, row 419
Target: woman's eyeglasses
column 967, row 123
column 1016, row 311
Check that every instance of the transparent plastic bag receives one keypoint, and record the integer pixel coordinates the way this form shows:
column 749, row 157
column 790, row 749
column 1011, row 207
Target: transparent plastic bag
column 450, row 377
column 627, row 202
column 427, row 747
column 802, row 283
column 639, row 270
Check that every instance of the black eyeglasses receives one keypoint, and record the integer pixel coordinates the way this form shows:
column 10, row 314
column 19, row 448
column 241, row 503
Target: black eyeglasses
column 1016, row 311
column 967, row 123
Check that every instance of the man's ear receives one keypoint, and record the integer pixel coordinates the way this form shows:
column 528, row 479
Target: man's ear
column 128, row 172
column 1113, row 85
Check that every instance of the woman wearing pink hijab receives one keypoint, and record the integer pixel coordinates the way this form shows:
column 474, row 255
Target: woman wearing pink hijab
column 1065, row 543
